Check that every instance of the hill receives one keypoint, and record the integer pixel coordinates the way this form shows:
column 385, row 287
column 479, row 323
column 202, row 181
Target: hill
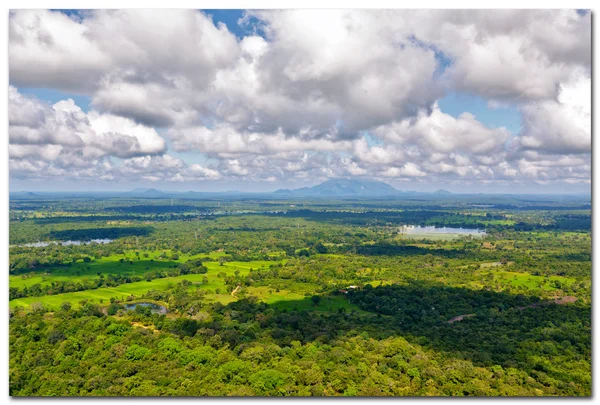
column 343, row 187
column 146, row 192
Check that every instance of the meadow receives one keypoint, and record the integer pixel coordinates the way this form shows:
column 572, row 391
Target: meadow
column 111, row 265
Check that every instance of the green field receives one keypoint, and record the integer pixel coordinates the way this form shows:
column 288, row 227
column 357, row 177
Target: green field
column 131, row 266
column 138, row 288
column 283, row 299
column 528, row 281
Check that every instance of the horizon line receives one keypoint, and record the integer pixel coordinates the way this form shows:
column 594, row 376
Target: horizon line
column 166, row 192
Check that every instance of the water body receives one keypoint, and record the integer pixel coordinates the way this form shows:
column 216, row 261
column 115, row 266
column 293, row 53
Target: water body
column 419, row 230
column 66, row 242
column 154, row 308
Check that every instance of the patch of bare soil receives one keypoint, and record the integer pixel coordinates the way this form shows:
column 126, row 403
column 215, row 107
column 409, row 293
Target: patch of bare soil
column 238, row 288
column 460, row 318
column 141, row 325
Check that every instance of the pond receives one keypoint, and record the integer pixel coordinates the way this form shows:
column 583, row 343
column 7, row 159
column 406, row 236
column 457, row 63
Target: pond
column 154, row 308
column 423, row 230
column 66, row 242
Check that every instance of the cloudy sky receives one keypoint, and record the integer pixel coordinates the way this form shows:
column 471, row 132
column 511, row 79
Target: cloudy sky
column 478, row 101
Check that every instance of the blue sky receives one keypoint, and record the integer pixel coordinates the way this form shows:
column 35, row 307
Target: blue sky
column 294, row 108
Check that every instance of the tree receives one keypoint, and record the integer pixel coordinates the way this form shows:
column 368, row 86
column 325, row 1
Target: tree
column 37, row 308
column 320, row 248
column 316, row 299
column 55, row 336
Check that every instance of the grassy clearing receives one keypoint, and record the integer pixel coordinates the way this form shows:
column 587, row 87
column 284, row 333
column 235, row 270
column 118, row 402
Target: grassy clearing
column 84, row 271
column 377, row 283
column 103, row 295
column 327, row 304
column 296, row 298
column 331, row 255
column 529, row 281
column 130, row 266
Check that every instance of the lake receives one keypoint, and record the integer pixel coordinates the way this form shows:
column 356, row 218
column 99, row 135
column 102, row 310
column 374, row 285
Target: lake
column 65, row 242
column 154, row 308
column 428, row 230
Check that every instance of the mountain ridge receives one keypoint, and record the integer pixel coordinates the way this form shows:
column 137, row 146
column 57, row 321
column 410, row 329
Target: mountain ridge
column 343, row 187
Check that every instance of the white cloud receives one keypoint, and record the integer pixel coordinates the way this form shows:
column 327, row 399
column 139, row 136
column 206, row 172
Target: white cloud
column 440, row 132
column 296, row 105
column 32, row 122
column 508, row 54
column 225, row 141
column 563, row 125
column 235, row 168
column 49, row 49
column 196, row 171
column 166, row 67
column 408, row 170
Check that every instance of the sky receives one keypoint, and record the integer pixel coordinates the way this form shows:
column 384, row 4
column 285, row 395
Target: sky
column 213, row 100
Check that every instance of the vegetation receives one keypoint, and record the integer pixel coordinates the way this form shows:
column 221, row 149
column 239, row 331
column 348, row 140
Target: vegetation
column 300, row 298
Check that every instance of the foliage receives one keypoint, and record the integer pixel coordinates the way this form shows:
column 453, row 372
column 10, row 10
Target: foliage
column 300, row 298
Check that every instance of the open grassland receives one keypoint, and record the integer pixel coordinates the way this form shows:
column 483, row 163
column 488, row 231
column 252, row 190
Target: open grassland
column 529, row 281
column 130, row 266
column 215, row 280
column 296, row 298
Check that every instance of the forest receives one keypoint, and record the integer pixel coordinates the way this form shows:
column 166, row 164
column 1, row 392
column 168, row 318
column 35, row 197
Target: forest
column 116, row 296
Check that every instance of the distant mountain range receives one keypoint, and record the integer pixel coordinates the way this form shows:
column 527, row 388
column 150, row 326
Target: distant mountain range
column 146, row 192
column 331, row 188
column 343, row 188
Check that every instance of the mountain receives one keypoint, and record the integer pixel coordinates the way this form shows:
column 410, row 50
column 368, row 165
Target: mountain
column 146, row 192
column 343, row 188
column 23, row 194
column 153, row 191
column 442, row 191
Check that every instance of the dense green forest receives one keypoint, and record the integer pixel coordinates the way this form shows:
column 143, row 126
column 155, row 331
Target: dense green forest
column 254, row 297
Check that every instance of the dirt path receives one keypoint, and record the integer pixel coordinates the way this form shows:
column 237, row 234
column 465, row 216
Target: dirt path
column 558, row 301
column 238, row 288
column 460, row 318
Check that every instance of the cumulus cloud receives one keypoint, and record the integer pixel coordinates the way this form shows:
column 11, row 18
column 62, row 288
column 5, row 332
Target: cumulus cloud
column 31, row 122
column 50, row 49
column 563, row 125
column 347, row 64
column 439, row 132
column 319, row 94
column 226, row 141
column 69, row 167
column 408, row 170
column 508, row 54
column 180, row 68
